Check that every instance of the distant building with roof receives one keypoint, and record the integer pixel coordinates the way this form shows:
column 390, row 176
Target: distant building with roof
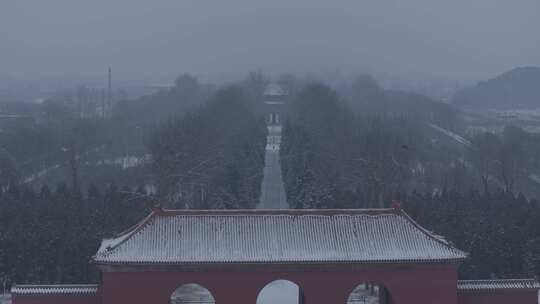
column 274, row 104
column 229, row 256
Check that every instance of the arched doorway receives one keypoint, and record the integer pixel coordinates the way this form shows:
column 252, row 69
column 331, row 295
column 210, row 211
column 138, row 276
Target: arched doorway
column 192, row 294
column 369, row 293
column 281, row 292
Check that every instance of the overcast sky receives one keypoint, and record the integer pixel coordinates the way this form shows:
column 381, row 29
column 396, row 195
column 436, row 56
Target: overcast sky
column 458, row 39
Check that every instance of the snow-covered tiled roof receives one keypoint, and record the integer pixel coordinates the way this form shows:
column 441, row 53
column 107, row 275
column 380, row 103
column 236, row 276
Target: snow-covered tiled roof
column 492, row 285
column 276, row 236
column 29, row 290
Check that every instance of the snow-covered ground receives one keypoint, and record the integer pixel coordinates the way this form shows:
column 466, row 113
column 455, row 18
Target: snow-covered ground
column 494, row 120
column 39, row 174
column 452, row 135
column 535, row 178
column 126, row 161
column 520, row 114
column 5, row 299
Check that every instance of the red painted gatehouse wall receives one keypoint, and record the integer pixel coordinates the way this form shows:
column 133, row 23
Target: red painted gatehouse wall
column 418, row 284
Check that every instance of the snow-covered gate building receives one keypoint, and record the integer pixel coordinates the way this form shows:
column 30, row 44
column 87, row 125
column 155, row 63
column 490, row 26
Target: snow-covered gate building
column 236, row 253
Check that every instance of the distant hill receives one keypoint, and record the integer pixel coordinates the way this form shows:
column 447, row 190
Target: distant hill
column 516, row 89
column 366, row 96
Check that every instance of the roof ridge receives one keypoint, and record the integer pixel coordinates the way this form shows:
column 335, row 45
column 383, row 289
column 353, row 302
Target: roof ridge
column 53, row 285
column 134, row 227
column 497, row 284
column 444, row 251
column 431, row 235
column 499, row 280
column 168, row 212
column 52, row 289
column 130, row 232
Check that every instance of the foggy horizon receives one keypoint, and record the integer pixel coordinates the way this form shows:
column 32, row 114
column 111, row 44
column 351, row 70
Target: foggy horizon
column 276, row 152
column 458, row 40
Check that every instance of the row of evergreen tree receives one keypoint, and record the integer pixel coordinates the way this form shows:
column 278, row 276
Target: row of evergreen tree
column 212, row 157
column 498, row 230
column 48, row 236
column 336, row 157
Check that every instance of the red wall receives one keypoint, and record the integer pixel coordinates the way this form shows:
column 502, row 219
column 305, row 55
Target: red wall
column 58, row 299
column 518, row 297
column 421, row 284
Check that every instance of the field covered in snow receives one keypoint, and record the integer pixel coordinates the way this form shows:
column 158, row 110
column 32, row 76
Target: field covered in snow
column 495, row 120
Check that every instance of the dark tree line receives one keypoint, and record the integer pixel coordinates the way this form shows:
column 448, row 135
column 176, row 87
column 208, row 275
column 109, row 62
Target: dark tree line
column 332, row 157
column 364, row 95
column 509, row 160
column 335, row 157
column 212, row 157
column 499, row 230
column 48, row 236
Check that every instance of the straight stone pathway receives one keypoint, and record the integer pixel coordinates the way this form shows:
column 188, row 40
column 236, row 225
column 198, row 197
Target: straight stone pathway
column 272, row 188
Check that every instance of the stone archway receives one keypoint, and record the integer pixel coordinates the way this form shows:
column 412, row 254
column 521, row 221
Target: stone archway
column 281, row 292
column 369, row 293
column 192, row 294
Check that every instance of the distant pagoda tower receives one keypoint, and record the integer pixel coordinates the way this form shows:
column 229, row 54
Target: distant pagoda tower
column 274, row 103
